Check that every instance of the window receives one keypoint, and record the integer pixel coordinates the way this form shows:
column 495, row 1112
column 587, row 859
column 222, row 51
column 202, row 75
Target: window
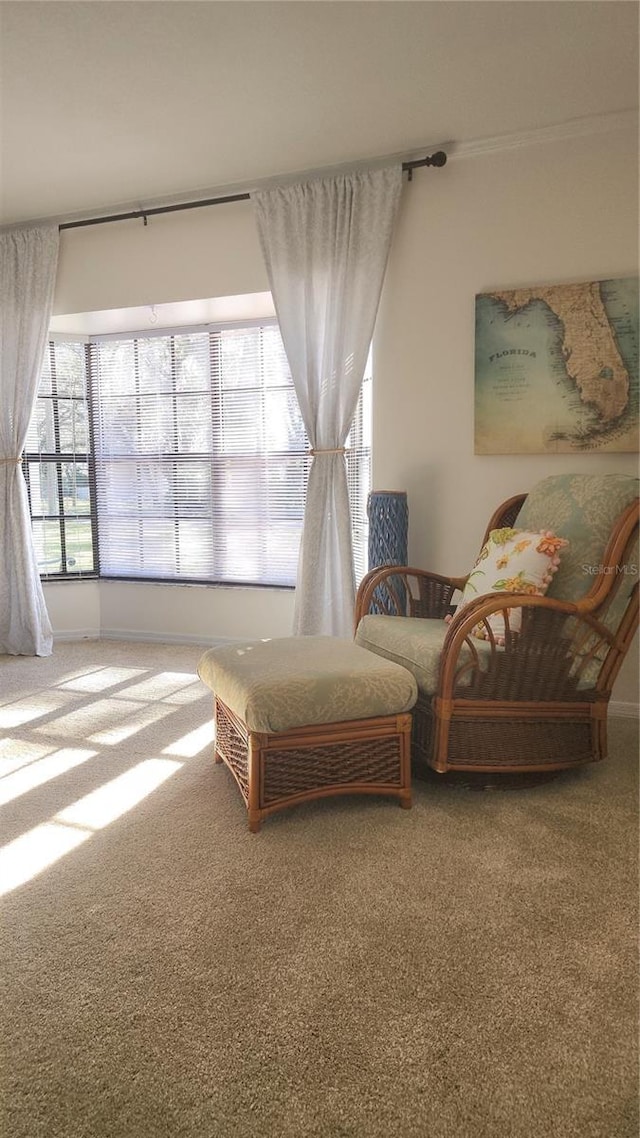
column 58, row 467
column 359, row 474
column 200, row 461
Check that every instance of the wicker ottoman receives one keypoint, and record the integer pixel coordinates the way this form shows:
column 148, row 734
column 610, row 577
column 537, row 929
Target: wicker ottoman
column 306, row 717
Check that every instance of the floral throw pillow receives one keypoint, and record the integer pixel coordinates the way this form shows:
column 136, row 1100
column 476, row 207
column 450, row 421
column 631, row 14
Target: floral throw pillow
column 512, row 561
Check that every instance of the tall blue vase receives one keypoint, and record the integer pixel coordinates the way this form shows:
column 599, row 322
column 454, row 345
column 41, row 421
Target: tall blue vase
column 388, row 513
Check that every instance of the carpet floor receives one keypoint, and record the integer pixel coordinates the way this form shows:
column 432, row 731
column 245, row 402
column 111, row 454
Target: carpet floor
column 463, row 969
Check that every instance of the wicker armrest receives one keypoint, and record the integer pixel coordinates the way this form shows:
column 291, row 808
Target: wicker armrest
column 481, row 608
column 558, row 644
column 400, row 590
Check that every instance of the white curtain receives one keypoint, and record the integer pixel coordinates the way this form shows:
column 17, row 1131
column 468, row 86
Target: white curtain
column 325, row 243
column 28, row 260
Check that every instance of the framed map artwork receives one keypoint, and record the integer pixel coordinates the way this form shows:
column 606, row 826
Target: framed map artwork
column 556, row 368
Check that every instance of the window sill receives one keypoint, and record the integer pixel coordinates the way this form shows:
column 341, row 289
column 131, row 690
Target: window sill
column 193, row 584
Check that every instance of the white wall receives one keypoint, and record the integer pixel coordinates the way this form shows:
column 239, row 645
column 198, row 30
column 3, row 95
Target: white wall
column 547, row 212
column 540, row 214
column 176, row 256
column 194, row 612
column 74, row 607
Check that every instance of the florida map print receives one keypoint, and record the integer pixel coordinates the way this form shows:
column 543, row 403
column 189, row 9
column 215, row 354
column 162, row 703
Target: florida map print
column 556, row 368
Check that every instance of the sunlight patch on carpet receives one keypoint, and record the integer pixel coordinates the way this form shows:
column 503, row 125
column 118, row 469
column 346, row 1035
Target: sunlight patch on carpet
column 26, row 710
column 193, row 742
column 163, row 686
column 98, row 679
column 31, row 853
column 106, row 721
column 16, row 753
column 99, row 713
column 41, row 771
column 102, row 806
column 117, row 732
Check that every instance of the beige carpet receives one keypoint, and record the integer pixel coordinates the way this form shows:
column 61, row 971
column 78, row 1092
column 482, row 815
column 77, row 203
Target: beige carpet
column 466, row 968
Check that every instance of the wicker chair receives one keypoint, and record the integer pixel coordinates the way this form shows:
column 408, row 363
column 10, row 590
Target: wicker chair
column 537, row 702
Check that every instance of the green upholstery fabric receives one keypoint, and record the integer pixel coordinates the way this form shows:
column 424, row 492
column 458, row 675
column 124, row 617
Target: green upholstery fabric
column 298, row 681
column 414, row 642
column 411, row 641
column 611, row 617
column 581, row 508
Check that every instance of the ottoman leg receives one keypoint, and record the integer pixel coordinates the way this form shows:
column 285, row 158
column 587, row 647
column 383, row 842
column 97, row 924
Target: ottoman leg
column 253, row 803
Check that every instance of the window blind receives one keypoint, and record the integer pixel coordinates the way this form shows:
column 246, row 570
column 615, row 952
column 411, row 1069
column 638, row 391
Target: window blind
column 201, row 457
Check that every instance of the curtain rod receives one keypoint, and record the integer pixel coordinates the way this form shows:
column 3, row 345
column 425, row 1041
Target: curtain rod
column 437, row 159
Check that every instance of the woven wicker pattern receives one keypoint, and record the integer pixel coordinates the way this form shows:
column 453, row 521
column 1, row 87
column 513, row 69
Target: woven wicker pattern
column 540, row 663
column 527, row 743
column 421, row 735
column 433, row 600
column 232, row 745
column 364, row 756
column 508, row 513
column 408, row 593
column 293, row 771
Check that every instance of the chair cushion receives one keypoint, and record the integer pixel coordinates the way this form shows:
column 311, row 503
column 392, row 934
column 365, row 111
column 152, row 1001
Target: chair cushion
column 416, row 643
column 511, row 561
column 299, row 681
column 581, row 508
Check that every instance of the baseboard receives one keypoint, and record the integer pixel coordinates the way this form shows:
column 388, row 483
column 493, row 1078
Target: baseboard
column 164, row 637
column 77, row 634
column 624, row 710
column 143, row 637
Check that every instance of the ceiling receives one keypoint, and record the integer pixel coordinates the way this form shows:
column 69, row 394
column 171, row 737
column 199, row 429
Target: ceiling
column 108, row 104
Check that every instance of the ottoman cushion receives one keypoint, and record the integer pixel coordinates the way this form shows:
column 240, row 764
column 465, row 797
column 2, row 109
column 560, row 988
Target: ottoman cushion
column 298, row 681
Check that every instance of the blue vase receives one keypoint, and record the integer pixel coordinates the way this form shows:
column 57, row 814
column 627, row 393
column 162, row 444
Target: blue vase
column 388, row 514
